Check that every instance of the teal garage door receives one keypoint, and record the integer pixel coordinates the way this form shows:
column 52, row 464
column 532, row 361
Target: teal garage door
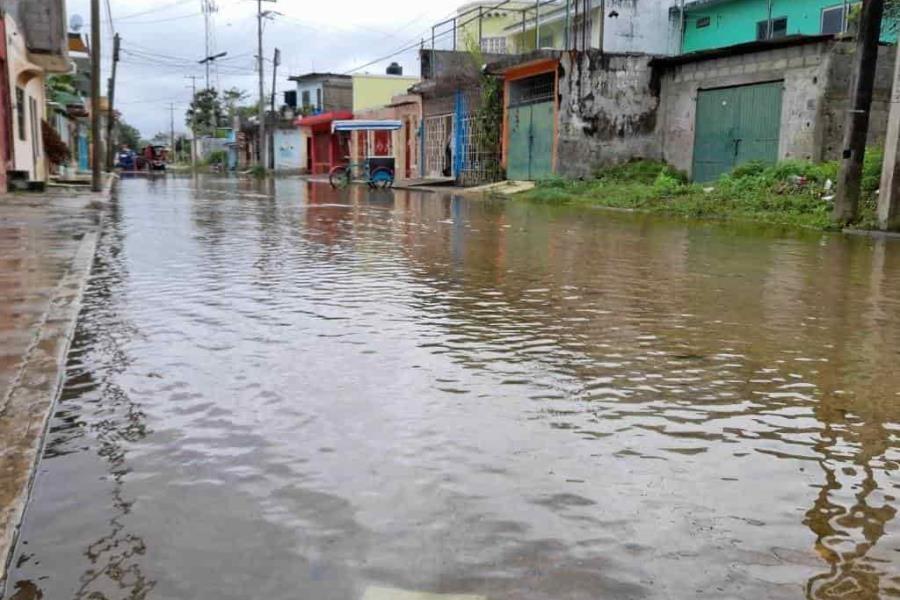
column 531, row 128
column 736, row 125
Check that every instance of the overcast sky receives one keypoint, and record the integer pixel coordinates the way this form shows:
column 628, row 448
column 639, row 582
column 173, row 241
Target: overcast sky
column 324, row 36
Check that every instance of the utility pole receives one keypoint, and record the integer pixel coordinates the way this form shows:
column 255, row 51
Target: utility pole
column 263, row 146
column 111, row 123
column 207, row 15
column 97, row 150
column 275, row 63
column 193, row 79
column 172, row 127
column 889, row 199
column 846, row 201
column 602, row 25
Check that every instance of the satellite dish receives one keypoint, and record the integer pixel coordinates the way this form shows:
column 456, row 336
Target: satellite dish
column 76, row 23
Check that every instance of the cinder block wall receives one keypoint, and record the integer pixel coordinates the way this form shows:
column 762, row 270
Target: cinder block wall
column 815, row 103
column 802, row 68
column 607, row 112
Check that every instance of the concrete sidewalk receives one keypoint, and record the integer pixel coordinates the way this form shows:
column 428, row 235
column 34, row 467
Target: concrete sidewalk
column 47, row 245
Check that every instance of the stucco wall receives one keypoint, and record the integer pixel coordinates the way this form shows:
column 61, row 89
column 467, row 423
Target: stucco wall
column 372, row 91
column 608, row 111
column 816, row 85
column 28, row 154
column 644, row 26
column 290, row 149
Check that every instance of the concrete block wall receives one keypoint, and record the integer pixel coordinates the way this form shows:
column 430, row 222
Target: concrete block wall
column 836, row 100
column 607, row 113
column 44, row 24
column 804, row 70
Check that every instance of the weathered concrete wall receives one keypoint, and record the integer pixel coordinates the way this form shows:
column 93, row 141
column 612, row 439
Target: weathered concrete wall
column 803, row 69
column 816, row 90
column 646, row 26
column 608, row 111
column 43, row 22
column 836, row 100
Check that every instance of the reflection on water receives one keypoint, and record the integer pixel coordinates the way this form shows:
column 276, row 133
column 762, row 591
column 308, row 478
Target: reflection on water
column 282, row 391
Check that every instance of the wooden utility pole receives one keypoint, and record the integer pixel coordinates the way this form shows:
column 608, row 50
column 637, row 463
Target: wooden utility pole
column 602, row 25
column 889, row 199
column 172, row 127
column 263, row 146
column 97, row 150
column 862, row 83
column 111, row 123
column 193, row 79
column 275, row 63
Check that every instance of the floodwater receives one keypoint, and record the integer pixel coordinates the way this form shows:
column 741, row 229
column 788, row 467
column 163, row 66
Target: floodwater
column 279, row 391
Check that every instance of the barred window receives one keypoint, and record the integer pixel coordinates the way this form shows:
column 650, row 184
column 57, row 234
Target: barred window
column 494, row 45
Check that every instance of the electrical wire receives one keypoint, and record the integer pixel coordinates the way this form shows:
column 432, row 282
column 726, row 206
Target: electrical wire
column 154, row 10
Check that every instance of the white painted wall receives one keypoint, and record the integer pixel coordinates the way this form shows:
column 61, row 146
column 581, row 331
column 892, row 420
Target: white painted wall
column 314, row 88
column 641, row 26
column 290, row 149
column 28, row 153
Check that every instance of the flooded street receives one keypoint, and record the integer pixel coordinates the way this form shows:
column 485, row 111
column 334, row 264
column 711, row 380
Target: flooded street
column 280, row 391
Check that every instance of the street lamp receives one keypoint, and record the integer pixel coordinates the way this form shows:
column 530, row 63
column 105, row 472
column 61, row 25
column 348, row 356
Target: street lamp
column 209, row 59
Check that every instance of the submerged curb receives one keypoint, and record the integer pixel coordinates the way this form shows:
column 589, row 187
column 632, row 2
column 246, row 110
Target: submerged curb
column 26, row 407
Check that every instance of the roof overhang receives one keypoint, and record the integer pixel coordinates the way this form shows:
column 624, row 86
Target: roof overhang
column 366, row 125
column 522, row 65
column 738, row 49
column 322, row 123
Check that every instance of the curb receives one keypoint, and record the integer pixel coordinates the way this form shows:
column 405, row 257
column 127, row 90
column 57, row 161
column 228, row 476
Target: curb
column 26, row 411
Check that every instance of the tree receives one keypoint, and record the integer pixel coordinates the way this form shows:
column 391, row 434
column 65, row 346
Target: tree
column 128, row 135
column 232, row 99
column 205, row 112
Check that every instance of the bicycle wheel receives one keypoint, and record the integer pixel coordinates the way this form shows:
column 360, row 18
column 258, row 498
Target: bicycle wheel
column 382, row 178
column 339, row 177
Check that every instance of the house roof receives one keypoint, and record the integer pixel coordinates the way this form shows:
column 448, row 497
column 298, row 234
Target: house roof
column 314, row 76
column 738, row 49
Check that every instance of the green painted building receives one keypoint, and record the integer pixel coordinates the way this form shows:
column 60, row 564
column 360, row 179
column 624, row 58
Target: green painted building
column 717, row 23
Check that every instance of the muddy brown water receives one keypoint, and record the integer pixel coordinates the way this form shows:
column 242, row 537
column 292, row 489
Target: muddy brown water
column 279, row 391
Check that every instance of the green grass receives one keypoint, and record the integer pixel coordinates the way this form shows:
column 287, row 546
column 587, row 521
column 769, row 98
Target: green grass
column 789, row 193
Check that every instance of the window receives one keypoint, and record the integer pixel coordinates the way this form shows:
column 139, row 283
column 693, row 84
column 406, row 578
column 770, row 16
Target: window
column 20, row 113
column 703, row 22
column 306, row 102
column 547, row 40
column 35, row 115
column 778, row 28
column 319, row 99
column 833, row 20
column 494, row 45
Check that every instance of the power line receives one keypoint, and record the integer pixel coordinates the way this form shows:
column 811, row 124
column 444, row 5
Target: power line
column 154, row 10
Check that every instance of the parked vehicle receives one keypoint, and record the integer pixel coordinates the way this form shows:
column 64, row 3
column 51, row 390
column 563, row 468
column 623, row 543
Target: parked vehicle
column 126, row 159
column 155, row 158
column 377, row 171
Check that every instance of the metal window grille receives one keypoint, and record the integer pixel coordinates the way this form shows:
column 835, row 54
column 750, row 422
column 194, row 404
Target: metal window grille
column 532, row 90
column 480, row 159
column 437, row 137
column 494, row 45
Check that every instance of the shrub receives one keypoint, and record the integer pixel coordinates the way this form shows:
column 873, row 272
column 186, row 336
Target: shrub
column 218, row 157
column 667, row 184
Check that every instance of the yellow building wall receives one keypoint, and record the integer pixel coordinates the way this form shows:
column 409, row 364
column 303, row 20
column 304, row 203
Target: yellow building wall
column 372, row 91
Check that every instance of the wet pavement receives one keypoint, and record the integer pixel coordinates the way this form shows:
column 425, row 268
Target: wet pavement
column 46, row 249
column 280, row 391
